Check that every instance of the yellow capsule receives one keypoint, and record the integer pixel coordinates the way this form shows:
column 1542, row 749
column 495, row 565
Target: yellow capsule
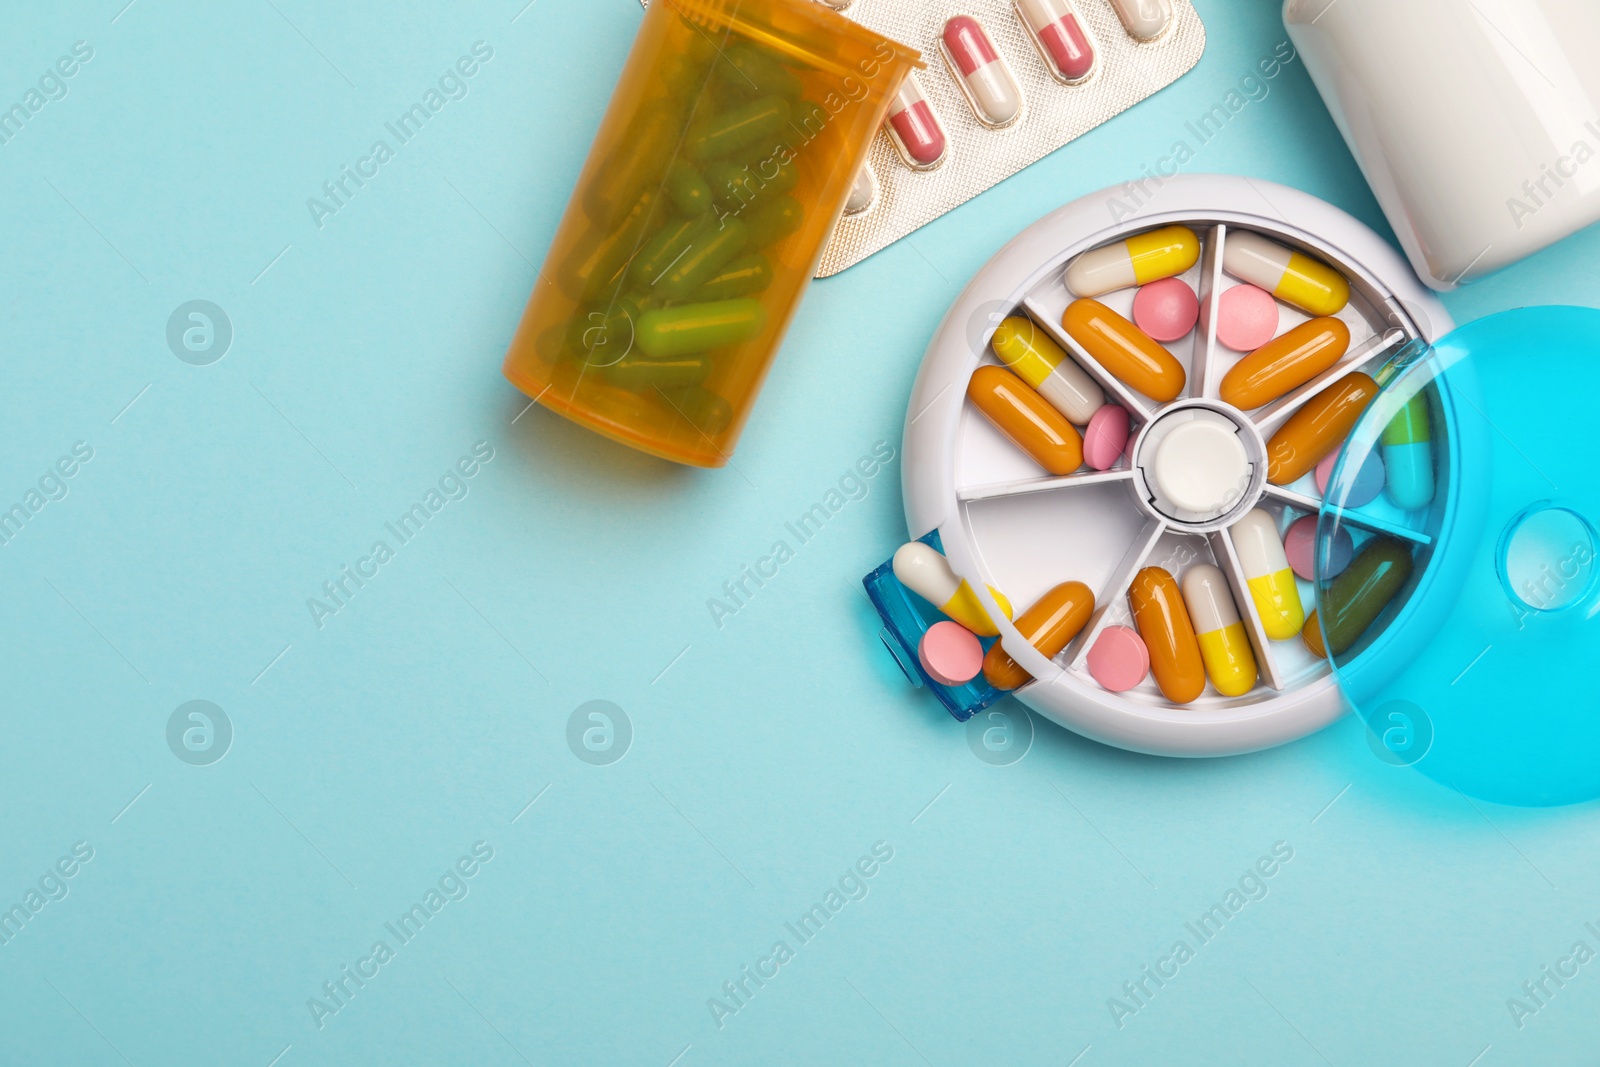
column 1267, row 571
column 1137, row 260
column 1031, row 354
column 1295, row 278
column 1224, row 648
column 926, row 573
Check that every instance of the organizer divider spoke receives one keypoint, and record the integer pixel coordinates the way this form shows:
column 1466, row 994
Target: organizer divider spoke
column 1228, row 558
column 1024, row 486
column 1205, row 369
column 1137, row 406
column 1109, row 599
column 1371, row 523
column 1374, row 348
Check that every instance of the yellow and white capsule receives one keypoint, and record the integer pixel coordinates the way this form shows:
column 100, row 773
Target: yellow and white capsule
column 1266, row 566
column 1138, row 260
column 1224, row 648
column 1039, row 361
column 927, row 574
column 1293, row 277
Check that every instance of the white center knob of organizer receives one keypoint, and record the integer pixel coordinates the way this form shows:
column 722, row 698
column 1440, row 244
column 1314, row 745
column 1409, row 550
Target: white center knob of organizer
column 1201, row 466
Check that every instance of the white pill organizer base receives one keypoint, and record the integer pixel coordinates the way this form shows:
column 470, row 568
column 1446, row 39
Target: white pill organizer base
column 1004, row 522
column 976, row 156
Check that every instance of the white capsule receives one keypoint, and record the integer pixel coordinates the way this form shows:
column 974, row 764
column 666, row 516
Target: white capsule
column 991, row 90
column 1137, row 260
column 1267, row 574
column 1145, row 20
column 863, row 192
column 926, row 573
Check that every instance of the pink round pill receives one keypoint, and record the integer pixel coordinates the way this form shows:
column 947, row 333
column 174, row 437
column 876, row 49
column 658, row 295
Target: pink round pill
column 1105, row 437
column 1166, row 310
column 950, row 653
column 1119, row 659
column 1367, row 485
column 1300, row 545
column 1247, row 318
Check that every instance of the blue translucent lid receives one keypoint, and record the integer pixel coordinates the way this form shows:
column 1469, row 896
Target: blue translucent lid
column 1464, row 631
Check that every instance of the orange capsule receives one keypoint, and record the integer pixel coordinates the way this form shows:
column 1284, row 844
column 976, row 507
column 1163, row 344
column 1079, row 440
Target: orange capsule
column 1163, row 622
column 1124, row 350
column 1286, row 362
column 1318, row 428
column 1026, row 418
column 1054, row 619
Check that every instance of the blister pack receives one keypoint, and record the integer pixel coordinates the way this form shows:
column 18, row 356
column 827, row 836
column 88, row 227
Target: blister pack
column 1007, row 83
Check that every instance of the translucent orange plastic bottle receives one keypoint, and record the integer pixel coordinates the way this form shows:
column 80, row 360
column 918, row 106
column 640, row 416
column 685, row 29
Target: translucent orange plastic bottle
column 720, row 169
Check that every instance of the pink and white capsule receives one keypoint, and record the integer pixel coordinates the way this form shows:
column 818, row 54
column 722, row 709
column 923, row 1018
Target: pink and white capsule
column 1060, row 35
column 990, row 89
column 914, row 127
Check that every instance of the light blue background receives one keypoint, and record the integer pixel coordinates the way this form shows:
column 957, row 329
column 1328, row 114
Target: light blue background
column 767, row 757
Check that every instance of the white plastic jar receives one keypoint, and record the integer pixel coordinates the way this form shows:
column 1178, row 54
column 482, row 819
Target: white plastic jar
column 1476, row 122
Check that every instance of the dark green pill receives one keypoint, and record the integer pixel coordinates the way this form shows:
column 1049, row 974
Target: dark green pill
column 748, row 72
column 638, row 372
column 771, row 221
column 726, row 133
column 713, row 247
column 744, row 276
column 688, row 191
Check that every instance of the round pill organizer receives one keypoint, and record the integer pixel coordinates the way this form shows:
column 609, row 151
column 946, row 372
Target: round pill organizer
column 1003, row 522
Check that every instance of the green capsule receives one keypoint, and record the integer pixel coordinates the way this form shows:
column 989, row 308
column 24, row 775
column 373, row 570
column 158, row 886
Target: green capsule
column 722, row 135
column 596, row 265
column 690, row 328
column 745, row 275
column 749, row 72
column 706, row 411
column 734, row 186
column 687, row 190
column 681, row 74
column 638, row 372
column 808, row 119
column 637, row 163
column 770, row 222
column 664, row 249
column 1355, row 599
column 713, row 247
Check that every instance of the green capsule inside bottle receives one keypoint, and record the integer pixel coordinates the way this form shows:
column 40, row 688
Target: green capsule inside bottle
column 708, row 412
column 712, row 248
column 637, row 371
column 743, row 277
column 597, row 262
column 665, row 248
column 689, row 193
column 748, row 71
column 690, row 328
column 736, row 186
column 723, row 134
column 771, row 221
